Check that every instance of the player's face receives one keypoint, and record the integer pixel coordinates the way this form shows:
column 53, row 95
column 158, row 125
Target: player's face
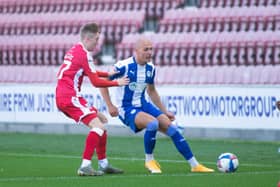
column 144, row 52
column 92, row 41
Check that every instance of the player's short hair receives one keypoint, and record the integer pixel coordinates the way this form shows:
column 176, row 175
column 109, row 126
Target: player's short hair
column 89, row 28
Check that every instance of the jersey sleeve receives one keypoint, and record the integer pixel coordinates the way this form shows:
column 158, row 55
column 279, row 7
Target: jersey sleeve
column 93, row 75
column 100, row 82
column 151, row 71
column 102, row 73
column 153, row 76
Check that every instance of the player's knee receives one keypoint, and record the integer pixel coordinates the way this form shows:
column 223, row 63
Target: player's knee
column 152, row 126
column 89, row 119
column 171, row 130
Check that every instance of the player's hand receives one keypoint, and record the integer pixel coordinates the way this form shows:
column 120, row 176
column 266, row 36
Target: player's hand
column 102, row 117
column 170, row 115
column 112, row 72
column 123, row 81
column 278, row 105
column 113, row 110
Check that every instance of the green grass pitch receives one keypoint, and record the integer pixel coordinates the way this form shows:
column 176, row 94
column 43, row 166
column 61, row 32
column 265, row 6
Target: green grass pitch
column 35, row 160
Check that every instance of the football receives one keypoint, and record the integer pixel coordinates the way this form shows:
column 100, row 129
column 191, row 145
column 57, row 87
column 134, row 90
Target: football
column 227, row 163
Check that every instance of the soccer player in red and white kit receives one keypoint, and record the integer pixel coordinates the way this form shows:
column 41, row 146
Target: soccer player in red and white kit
column 78, row 62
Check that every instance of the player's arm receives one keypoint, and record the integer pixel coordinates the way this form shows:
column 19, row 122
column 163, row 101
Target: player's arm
column 119, row 71
column 106, row 74
column 100, row 82
column 95, row 76
column 102, row 74
column 113, row 110
column 152, row 92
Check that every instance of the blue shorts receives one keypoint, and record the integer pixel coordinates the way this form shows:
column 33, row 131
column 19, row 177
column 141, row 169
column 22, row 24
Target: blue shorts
column 130, row 113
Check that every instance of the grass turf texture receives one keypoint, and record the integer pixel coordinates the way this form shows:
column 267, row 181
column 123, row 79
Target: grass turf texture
column 36, row 160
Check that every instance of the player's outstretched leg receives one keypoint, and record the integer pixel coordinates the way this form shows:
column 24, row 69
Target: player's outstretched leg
column 201, row 169
column 183, row 147
column 103, row 163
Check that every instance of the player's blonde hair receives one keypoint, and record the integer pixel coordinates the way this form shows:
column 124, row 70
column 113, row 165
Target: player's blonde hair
column 89, row 29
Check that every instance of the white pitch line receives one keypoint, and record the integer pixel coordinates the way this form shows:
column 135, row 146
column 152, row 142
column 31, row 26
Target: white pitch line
column 16, row 179
column 116, row 158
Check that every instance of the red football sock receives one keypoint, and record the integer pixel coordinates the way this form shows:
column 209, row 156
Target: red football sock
column 91, row 143
column 101, row 147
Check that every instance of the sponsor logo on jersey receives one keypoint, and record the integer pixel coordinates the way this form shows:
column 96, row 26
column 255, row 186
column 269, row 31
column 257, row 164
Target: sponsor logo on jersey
column 134, row 86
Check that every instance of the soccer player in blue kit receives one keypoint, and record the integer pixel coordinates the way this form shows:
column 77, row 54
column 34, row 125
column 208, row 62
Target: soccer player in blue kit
column 135, row 111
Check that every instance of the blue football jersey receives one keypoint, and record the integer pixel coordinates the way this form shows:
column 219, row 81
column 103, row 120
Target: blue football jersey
column 133, row 94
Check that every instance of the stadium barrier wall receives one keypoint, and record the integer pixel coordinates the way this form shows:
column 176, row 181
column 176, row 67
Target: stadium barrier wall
column 209, row 111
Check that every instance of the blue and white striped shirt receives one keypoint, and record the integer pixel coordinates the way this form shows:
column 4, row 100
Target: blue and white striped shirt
column 133, row 94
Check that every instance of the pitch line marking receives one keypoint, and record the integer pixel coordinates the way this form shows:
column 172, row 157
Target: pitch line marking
column 16, row 179
column 115, row 158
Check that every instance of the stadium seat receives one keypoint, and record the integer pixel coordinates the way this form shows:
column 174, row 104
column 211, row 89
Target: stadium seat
column 181, row 74
column 221, row 32
column 183, row 52
column 161, row 73
column 238, row 74
column 274, row 74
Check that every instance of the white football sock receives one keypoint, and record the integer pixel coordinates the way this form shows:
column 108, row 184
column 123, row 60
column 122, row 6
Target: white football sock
column 149, row 157
column 103, row 163
column 193, row 162
column 85, row 163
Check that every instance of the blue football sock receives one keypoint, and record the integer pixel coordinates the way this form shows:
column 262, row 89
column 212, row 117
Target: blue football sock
column 180, row 142
column 150, row 136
